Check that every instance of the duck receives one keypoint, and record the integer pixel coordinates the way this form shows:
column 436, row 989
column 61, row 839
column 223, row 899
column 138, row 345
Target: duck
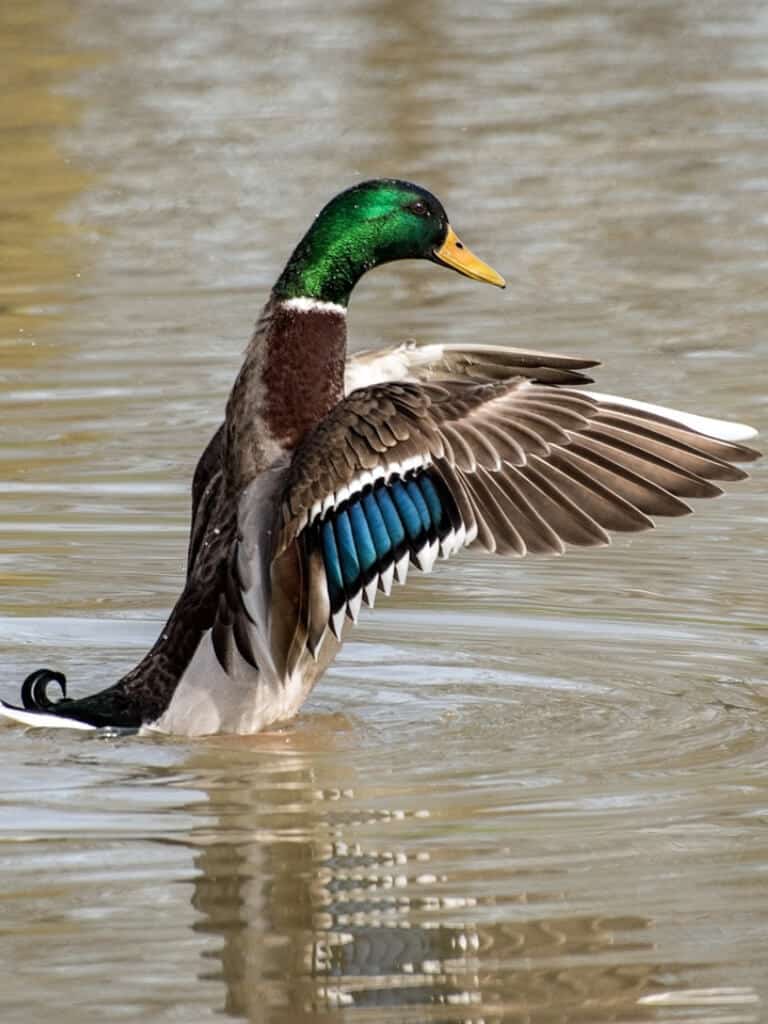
column 332, row 477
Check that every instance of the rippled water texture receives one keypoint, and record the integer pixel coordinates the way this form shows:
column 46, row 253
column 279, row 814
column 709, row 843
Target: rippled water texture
column 526, row 792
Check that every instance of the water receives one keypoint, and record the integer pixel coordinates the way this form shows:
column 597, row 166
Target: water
column 526, row 791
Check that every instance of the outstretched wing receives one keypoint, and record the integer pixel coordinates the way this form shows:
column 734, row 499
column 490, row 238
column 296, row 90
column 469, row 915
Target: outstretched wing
column 400, row 473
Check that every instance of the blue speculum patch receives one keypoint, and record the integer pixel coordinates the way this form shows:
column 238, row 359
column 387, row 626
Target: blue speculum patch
column 378, row 527
column 366, row 549
column 332, row 565
column 372, row 529
column 350, row 566
column 392, row 520
column 409, row 514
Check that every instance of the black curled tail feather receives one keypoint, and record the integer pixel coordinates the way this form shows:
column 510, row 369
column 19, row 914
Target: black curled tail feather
column 34, row 689
column 107, row 709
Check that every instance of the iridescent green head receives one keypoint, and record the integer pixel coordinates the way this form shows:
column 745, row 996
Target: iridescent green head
column 372, row 223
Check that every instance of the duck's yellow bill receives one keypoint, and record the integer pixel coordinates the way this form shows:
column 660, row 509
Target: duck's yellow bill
column 453, row 253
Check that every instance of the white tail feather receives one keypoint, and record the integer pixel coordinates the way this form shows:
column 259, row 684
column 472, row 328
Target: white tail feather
column 42, row 719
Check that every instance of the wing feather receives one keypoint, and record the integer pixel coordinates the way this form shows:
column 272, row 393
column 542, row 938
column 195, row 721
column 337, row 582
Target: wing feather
column 537, row 535
column 421, row 469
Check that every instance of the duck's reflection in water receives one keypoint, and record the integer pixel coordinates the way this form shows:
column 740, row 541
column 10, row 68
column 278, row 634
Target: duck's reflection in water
column 326, row 903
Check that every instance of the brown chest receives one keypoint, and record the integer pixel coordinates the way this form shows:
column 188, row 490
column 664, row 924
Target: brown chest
column 302, row 370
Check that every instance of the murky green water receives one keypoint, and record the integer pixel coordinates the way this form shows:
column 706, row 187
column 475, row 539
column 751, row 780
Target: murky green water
column 526, row 792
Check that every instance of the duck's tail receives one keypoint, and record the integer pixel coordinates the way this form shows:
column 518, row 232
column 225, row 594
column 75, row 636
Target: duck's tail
column 37, row 708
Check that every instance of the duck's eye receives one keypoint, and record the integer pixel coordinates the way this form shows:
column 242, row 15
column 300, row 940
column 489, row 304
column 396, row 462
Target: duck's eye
column 419, row 207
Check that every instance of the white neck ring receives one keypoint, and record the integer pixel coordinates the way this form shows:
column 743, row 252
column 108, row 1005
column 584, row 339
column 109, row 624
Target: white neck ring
column 304, row 304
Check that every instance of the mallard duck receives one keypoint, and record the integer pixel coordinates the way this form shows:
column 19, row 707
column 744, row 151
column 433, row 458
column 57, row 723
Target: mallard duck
column 330, row 476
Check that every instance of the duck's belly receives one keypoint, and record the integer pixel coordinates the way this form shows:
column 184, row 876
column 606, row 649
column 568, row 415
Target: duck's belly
column 208, row 700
